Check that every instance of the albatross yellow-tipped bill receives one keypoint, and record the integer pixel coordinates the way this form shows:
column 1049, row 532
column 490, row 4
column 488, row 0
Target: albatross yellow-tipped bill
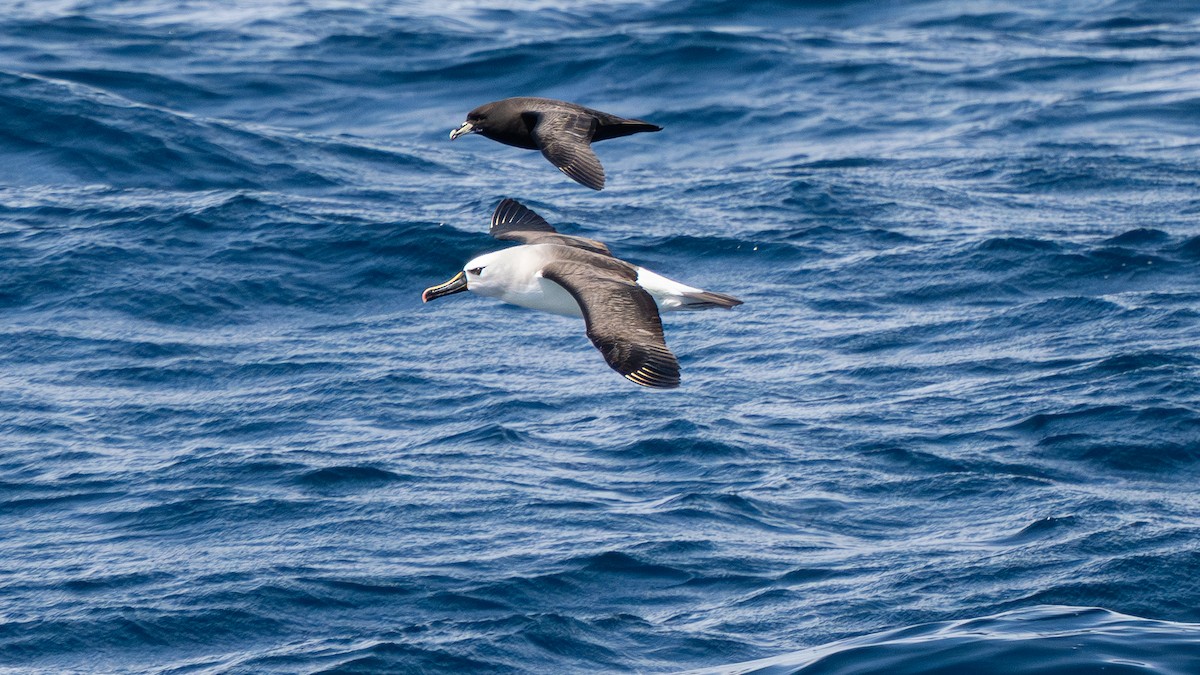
column 456, row 285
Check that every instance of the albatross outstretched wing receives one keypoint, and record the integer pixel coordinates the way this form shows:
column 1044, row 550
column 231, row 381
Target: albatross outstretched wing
column 622, row 321
column 565, row 138
column 512, row 221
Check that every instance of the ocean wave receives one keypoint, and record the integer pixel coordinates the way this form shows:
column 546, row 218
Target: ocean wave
column 123, row 143
column 1037, row 640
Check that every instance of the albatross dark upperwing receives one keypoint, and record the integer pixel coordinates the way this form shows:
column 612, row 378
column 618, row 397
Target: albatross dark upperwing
column 565, row 138
column 512, row 221
column 622, row 320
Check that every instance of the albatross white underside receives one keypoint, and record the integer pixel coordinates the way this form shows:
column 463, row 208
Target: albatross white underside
column 514, row 275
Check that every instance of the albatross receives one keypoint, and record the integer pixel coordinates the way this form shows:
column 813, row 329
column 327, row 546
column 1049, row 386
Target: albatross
column 563, row 131
column 574, row 276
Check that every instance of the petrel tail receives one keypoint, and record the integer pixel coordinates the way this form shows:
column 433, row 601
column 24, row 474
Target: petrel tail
column 619, row 128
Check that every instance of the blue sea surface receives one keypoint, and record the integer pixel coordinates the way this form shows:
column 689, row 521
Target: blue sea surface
column 955, row 427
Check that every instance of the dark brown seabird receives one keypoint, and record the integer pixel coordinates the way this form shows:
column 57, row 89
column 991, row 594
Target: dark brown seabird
column 573, row 276
column 563, row 131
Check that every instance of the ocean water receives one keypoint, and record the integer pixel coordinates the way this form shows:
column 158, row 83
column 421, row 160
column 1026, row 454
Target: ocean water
column 954, row 428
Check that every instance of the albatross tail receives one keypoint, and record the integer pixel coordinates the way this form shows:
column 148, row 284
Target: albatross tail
column 708, row 300
column 670, row 295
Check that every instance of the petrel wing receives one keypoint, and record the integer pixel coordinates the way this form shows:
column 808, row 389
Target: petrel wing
column 622, row 321
column 565, row 138
column 513, row 221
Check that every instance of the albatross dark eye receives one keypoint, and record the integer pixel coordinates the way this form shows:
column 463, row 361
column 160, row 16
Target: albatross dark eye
column 476, row 272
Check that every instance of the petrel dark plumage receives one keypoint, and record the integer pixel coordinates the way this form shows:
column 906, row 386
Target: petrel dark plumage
column 563, row 131
column 574, row 276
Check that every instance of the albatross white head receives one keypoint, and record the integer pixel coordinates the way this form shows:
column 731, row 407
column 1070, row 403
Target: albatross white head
column 497, row 275
column 513, row 275
column 475, row 277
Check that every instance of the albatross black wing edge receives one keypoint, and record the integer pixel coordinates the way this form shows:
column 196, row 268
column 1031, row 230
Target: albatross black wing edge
column 513, row 216
column 513, row 221
column 622, row 322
